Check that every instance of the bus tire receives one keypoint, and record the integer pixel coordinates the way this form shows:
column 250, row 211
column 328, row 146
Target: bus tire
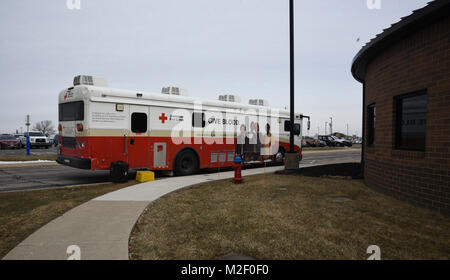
column 279, row 157
column 185, row 163
column 119, row 172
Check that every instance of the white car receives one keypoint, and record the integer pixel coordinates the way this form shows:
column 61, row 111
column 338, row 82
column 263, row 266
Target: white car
column 37, row 139
column 341, row 142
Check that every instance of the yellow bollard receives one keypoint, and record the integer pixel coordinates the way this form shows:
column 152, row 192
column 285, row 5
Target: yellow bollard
column 145, row 176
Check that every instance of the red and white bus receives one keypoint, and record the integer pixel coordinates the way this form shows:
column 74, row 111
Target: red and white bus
column 101, row 128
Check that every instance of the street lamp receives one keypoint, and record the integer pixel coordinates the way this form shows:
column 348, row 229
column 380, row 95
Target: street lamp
column 292, row 159
column 331, row 125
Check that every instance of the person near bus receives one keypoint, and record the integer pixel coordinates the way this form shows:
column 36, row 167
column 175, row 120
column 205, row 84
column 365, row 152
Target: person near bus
column 242, row 142
column 252, row 142
column 266, row 143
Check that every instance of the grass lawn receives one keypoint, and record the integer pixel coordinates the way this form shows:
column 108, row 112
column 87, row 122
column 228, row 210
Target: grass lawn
column 23, row 212
column 287, row 217
column 27, row 158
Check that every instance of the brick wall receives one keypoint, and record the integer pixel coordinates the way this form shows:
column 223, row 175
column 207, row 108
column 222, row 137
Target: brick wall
column 420, row 61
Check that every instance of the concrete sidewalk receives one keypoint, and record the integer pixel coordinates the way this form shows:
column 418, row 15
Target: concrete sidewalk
column 102, row 226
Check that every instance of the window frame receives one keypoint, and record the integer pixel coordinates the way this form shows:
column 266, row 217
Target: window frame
column 371, row 124
column 146, row 122
column 203, row 119
column 398, row 117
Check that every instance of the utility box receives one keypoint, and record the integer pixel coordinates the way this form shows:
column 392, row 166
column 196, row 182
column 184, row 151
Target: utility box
column 145, row 176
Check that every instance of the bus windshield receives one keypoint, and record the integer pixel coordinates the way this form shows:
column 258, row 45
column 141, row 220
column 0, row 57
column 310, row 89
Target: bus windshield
column 71, row 111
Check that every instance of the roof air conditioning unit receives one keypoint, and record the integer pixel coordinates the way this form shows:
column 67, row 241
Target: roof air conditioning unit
column 89, row 81
column 259, row 102
column 230, row 98
column 174, row 91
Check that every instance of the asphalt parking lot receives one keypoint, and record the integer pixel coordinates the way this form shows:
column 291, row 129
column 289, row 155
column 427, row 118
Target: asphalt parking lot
column 21, row 178
column 21, row 152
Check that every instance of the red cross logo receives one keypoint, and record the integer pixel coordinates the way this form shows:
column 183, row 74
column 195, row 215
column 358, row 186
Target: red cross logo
column 163, row 118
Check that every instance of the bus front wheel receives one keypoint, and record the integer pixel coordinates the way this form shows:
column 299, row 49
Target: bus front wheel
column 186, row 163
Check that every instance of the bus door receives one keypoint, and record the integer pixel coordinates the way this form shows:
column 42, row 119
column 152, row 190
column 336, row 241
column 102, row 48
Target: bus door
column 138, row 140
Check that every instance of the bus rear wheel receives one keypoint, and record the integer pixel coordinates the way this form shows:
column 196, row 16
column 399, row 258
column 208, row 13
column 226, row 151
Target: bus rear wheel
column 119, row 172
column 186, row 163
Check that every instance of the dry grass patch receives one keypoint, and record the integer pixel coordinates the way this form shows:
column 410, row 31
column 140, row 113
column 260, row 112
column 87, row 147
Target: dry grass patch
column 23, row 212
column 287, row 217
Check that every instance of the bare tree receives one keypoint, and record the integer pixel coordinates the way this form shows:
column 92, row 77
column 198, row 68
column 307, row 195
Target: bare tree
column 45, row 127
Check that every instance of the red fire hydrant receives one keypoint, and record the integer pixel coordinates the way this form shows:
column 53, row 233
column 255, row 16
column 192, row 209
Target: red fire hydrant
column 237, row 165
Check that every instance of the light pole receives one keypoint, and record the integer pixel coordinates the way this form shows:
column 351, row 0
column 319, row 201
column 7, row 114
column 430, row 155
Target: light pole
column 292, row 159
column 28, row 122
column 331, row 125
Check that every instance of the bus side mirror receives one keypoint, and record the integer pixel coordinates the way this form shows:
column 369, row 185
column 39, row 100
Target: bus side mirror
column 309, row 124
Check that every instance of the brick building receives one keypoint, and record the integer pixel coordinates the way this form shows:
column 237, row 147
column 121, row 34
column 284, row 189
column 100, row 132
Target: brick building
column 405, row 72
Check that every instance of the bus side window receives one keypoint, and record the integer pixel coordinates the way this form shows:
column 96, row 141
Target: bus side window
column 139, row 122
column 198, row 119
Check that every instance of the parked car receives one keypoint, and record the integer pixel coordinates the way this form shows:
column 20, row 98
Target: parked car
column 9, row 141
column 348, row 143
column 341, row 142
column 304, row 143
column 37, row 139
column 329, row 140
column 320, row 143
column 23, row 140
column 313, row 142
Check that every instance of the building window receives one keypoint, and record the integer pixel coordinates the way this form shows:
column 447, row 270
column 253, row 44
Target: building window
column 371, row 122
column 411, row 121
column 198, row 119
column 139, row 122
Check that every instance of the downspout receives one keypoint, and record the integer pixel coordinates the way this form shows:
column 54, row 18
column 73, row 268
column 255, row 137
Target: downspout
column 363, row 134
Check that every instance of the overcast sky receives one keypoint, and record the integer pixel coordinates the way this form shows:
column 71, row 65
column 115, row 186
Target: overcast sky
column 210, row 47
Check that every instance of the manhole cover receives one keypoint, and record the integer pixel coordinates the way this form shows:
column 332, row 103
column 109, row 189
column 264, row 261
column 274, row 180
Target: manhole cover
column 340, row 199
